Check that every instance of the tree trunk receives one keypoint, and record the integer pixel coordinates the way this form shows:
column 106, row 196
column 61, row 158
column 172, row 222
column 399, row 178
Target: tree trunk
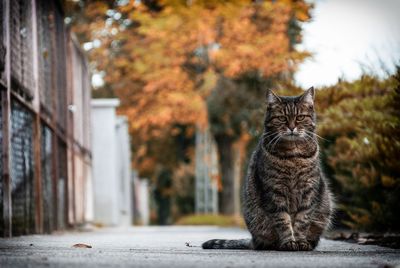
column 162, row 196
column 226, row 160
column 231, row 154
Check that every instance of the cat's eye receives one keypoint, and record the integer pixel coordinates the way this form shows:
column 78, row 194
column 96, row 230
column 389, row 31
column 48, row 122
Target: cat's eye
column 300, row 117
column 282, row 118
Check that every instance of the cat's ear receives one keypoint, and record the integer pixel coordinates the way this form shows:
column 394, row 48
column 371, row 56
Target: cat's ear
column 271, row 97
column 308, row 96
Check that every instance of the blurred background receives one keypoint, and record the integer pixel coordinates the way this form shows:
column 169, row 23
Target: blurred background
column 178, row 99
column 192, row 75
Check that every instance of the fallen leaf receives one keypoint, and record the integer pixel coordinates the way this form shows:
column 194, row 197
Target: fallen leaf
column 81, row 246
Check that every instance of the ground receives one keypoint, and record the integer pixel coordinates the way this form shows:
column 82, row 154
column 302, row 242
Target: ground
column 176, row 247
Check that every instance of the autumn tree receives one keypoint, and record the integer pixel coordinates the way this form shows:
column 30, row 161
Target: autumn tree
column 256, row 55
column 177, row 64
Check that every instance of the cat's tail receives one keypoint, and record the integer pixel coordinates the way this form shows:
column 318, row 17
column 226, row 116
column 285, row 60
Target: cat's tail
column 227, row 244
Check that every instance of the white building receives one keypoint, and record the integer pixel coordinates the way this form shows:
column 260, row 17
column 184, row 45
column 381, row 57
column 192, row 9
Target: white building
column 112, row 187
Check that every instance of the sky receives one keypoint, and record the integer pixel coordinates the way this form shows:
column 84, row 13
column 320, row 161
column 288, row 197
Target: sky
column 347, row 38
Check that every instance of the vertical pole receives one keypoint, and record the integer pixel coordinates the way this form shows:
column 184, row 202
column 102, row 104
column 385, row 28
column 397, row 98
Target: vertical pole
column 36, row 125
column 70, row 136
column 6, row 111
column 38, row 178
column 54, row 141
column 198, row 168
column 65, row 207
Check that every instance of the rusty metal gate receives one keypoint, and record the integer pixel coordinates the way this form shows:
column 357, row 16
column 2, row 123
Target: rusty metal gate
column 38, row 144
column 22, row 173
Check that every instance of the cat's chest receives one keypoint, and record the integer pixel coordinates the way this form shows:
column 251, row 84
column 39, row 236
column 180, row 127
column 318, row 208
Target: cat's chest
column 295, row 183
column 300, row 190
column 292, row 171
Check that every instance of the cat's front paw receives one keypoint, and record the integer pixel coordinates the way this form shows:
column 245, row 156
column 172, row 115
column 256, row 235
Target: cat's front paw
column 303, row 245
column 289, row 246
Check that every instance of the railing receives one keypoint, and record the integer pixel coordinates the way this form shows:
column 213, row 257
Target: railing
column 44, row 120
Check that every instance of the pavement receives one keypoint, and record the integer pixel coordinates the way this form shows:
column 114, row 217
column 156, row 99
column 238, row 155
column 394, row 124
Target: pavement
column 176, row 246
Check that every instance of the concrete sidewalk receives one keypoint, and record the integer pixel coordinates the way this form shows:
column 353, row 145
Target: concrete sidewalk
column 176, row 247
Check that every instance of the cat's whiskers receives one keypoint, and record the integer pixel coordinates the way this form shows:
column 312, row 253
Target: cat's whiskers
column 276, row 142
column 315, row 134
column 308, row 136
column 269, row 135
column 272, row 140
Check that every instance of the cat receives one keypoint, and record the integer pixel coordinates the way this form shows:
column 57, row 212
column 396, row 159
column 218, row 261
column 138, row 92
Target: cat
column 287, row 201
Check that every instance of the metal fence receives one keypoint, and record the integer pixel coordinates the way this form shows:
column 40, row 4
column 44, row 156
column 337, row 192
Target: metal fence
column 206, row 172
column 44, row 120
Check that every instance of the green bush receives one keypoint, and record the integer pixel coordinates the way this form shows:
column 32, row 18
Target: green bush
column 361, row 124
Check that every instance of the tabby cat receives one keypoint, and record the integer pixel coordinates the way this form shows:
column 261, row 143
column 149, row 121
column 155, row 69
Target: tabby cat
column 287, row 202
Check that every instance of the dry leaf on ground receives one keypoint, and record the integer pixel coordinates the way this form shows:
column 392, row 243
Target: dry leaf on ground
column 79, row 245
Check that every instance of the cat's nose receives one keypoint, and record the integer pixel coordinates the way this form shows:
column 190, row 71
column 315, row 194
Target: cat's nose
column 293, row 130
column 291, row 126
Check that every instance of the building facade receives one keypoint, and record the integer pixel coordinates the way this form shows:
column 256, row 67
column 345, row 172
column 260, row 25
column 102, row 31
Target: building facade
column 112, row 187
column 45, row 148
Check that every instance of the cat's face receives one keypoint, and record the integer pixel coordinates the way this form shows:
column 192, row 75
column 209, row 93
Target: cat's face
column 290, row 118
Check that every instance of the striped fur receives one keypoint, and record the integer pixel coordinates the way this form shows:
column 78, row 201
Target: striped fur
column 287, row 202
column 227, row 244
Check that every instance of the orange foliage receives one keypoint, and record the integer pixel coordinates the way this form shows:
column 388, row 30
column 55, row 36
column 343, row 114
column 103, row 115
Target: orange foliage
column 158, row 62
